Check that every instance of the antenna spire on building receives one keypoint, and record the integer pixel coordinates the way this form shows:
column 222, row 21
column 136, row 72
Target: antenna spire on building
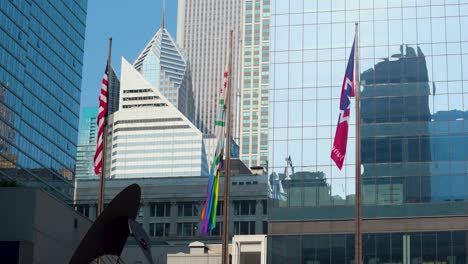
column 163, row 15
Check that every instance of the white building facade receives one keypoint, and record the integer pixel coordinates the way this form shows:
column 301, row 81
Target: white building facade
column 203, row 32
column 150, row 136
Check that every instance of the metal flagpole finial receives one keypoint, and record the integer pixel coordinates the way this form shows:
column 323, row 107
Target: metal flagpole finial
column 109, row 54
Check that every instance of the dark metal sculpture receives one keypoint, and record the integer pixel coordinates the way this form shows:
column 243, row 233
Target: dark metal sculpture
column 142, row 239
column 108, row 234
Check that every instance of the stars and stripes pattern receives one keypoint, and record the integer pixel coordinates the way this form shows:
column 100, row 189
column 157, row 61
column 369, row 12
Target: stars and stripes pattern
column 209, row 210
column 102, row 114
column 341, row 136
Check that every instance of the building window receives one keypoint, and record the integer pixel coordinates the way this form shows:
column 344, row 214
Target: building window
column 187, row 209
column 219, row 210
column 159, row 229
column 244, row 207
column 83, row 209
column 244, row 228
column 217, row 231
column 141, row 211
column 160, row 209
column 187, row 229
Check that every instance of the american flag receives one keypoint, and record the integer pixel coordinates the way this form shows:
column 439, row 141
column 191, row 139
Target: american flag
column 341, row 136
column 102, row 114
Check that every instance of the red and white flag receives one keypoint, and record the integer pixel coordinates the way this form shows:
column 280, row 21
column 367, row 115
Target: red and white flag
column 102, row 114
column 341, row 136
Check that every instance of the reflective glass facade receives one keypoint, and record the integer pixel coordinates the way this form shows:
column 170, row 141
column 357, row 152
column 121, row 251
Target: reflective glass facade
column 166, row 67
column 86, row 144
column 414, row 247
column 413, row 69
column 113, row 88
column 40, row 74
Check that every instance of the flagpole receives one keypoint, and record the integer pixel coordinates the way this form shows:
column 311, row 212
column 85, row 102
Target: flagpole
column 104, row 142
column 103, row 169
column 358, row 205
column 227, row 176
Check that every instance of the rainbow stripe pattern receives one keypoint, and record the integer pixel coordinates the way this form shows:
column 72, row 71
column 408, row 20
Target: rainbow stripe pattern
column 208, row 213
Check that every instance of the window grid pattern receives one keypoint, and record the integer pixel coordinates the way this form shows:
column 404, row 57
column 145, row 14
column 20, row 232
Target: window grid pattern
column 414, row 83
column 203, row 22
column 40, row 75
column 254, row 83
column 422, row 247
column 86, row 144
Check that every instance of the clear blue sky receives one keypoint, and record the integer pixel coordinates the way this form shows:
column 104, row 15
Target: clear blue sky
column 131, row 24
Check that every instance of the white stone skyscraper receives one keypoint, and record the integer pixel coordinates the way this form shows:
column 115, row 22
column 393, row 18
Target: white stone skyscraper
column 153, row 132
column 150, row 136
column 203, row 32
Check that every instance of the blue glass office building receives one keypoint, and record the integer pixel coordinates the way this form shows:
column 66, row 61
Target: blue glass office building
column 414, row 82
column 41, row 60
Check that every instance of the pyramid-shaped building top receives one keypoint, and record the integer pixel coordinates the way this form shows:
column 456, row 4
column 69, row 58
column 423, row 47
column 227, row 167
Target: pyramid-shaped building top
column 166, row 67
column 150, row 136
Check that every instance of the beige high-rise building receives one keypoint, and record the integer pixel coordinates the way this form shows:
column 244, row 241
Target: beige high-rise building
column 203, row 32
column 255, row 83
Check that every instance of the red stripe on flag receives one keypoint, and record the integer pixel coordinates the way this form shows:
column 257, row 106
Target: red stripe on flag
column 341, row 135
column 101, row 126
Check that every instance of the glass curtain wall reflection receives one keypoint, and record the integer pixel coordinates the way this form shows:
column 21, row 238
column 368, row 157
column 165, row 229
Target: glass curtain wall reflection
column 414, row 82
column 395, row 114
column 40, row 86
column 86, row 144
column 412, row 107
column 417, row 247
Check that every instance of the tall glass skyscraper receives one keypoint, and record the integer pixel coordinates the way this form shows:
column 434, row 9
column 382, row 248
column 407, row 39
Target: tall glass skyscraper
column 414, row 82
column 165, row 65
column 40, row 85
column 113, row 88
column 255, row 83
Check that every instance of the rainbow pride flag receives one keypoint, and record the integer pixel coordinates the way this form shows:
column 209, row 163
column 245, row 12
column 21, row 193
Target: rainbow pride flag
column 208, row 213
